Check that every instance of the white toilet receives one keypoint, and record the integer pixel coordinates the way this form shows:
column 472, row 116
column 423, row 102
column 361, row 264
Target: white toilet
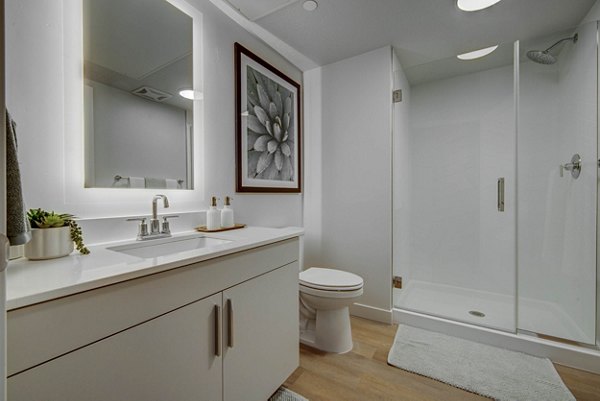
column 325, row 295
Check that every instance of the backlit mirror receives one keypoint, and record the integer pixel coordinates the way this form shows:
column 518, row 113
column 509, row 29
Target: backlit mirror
column 138, row 95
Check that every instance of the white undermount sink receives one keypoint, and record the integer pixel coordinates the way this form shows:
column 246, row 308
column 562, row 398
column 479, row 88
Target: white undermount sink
column 167, row 246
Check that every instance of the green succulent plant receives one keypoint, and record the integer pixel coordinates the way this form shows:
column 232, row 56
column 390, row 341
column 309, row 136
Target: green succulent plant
column 270, row 129
column 39, row 218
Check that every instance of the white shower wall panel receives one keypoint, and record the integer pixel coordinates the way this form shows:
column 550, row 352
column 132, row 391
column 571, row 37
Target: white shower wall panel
column 463, row 140
column 557, row 215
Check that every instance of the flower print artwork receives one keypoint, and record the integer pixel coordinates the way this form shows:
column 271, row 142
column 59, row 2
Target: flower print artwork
column 268, row 127
column 270, row 130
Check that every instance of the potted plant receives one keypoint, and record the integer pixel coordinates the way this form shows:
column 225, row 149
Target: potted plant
column 53, row 235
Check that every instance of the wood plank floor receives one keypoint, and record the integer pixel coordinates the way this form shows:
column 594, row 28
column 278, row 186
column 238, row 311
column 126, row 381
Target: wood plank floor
column 364, row 375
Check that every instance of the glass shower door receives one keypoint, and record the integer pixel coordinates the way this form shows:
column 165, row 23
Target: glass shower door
column 454, row 190
column 557, row 186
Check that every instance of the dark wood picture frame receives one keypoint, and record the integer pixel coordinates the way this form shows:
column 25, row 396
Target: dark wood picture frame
column 283, row 173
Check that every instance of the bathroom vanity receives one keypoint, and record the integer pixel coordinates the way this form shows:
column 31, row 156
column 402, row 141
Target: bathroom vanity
column 214, row 323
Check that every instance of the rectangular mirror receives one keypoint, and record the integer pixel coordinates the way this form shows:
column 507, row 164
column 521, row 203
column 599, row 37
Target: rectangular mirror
column 138, row 96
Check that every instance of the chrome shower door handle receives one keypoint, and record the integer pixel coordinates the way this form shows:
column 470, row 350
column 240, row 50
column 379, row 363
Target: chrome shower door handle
column 500, row 199
column 574, row 167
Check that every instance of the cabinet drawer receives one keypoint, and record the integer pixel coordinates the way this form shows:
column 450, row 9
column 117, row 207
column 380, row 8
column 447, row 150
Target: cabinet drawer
column 38, row 333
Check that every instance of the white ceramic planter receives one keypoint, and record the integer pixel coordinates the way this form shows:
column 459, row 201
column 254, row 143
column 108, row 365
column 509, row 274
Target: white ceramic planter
column 49, row 243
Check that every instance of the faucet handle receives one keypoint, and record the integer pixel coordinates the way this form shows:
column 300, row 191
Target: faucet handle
column 142, row 228
column 165, row 229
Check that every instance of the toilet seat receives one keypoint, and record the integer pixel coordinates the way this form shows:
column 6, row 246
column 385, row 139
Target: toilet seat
column 331, row 293
column 317, row 278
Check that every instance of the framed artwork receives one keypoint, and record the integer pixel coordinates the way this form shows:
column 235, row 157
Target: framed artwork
column 268, row 126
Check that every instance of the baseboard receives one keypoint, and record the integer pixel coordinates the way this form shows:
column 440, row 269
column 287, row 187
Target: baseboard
column 371, row 313
column 564, row 354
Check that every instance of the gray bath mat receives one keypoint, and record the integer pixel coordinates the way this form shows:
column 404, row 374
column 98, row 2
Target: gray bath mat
column 283, row 394
column 482, row 369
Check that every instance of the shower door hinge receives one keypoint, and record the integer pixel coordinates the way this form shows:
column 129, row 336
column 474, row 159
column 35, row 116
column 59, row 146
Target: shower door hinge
column 397, row 282
column 397, row 96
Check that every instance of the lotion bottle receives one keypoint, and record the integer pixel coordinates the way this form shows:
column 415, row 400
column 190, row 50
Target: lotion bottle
column 212, row 215
column 227, row 214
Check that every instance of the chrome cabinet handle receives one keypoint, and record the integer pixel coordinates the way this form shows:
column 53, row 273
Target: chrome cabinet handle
column 217, row 330
column 501, row 194
column 574, row 167
column 230, row 323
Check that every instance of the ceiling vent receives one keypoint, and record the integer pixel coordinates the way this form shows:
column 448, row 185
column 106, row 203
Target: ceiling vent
column 152, row 94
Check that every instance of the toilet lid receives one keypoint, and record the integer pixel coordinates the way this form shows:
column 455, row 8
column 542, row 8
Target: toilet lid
column 330, row 279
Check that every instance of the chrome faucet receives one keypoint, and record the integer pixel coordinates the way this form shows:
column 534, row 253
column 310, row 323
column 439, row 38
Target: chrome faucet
column 156, row 229
column 154, row 223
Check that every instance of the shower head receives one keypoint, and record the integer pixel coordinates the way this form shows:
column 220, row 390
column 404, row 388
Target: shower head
column 544, row 56
column 541, row 57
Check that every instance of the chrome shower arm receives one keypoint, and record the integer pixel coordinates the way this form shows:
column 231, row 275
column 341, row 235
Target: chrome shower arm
column 574, row 38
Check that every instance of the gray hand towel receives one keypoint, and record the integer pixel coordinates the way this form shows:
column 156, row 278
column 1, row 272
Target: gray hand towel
column 18, row 229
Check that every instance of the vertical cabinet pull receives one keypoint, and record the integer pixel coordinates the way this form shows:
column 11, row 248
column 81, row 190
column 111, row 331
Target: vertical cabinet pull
column 218, row 330
column 501, row 194
column 230, row 323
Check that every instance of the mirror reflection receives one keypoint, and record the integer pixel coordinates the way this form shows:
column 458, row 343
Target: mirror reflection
column 138, row 80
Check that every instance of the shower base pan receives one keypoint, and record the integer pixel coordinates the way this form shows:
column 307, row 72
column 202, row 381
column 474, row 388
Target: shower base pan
column 488, row 309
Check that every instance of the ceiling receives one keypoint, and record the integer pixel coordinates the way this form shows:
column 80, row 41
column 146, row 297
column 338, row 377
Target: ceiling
column 420, row 30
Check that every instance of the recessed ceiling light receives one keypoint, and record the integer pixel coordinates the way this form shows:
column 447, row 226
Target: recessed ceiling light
column 191, row 94
column 475, row 5
column 477, row 53
column 310, row 5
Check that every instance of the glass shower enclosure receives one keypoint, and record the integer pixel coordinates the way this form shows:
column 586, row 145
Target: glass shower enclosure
column 495, row 187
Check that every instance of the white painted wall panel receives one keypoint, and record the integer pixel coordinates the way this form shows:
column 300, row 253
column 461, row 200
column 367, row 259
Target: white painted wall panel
column 313, row 154
column 356, row 174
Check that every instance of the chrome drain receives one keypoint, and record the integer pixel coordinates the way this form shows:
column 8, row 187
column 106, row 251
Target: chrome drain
column 476, row 313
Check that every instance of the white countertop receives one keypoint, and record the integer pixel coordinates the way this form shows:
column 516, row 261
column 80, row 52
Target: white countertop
column 29, row 282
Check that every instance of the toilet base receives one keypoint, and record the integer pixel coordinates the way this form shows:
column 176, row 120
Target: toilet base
column 330, row 331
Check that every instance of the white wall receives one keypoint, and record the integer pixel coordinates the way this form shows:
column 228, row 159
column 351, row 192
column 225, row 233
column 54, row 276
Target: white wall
column 313, row 155
column 593, row 14
column 355, row 190
column 132, row 136
column 462, row 140
column 38, row 91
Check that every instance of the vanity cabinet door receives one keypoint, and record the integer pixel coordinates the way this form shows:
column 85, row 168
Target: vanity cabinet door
column 171, row 357
column 260, row 334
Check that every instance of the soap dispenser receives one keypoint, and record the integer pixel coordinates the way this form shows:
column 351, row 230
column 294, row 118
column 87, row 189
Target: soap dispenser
column 212, row 216
column 227, row 214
